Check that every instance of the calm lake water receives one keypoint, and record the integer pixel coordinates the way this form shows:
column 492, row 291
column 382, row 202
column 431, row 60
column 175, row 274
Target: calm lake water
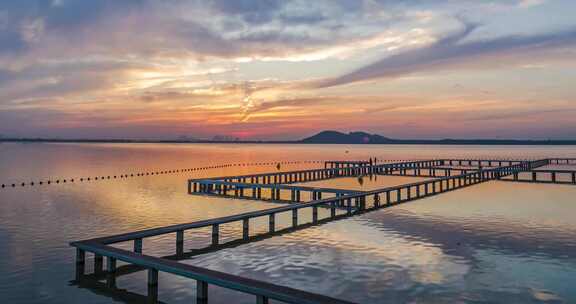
column 497, row 242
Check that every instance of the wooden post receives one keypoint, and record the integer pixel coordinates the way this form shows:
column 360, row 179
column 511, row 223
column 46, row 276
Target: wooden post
column 152, row 285
column 110, row 264
column 98, row 264
column 294, row 218
column 349, row 206
column 179, row 242
column 80, row 263
column 333, row 209
column 271, row 219
column 215, row 234
column 261, row 300
column 111, row 270
column 80, row 256
column 314, row 214
column 138, row 245
column 246, row 229
column 201, row 292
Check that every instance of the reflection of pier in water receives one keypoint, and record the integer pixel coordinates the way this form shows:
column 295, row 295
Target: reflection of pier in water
column 445, row 175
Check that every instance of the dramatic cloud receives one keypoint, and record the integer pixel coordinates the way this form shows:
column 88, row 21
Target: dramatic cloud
column 269, row 68
column 453, row 50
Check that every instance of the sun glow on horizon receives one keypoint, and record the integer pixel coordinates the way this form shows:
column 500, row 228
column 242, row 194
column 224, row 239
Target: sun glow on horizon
column 403, row 70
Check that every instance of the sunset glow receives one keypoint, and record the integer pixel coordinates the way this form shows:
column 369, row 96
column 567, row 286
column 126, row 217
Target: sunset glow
column 273, row 69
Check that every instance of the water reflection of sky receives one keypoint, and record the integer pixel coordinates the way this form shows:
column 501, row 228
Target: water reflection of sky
column 495, row 242
column 417, row 252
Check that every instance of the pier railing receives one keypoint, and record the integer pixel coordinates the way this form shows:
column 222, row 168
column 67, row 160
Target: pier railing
column 301, row 176
column 355, row 203
column 567, row 177
column 263, row 191
column 531, row 174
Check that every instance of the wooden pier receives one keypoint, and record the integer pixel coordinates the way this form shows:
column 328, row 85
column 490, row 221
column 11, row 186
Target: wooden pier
column 346, row 164
column 275, row 186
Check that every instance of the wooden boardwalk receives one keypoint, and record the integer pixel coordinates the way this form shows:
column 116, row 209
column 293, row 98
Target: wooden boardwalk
column 277, row 186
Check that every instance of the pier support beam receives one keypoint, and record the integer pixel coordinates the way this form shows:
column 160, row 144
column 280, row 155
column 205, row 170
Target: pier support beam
column 246, row 229
column 152, row 286
column 80, row 263
column 315, row 214
column 111, row 272
column 261, row 300
column 138, row 246
column 215, row 234
column 271, row 224
column 98, row 264
column 201, row 292
column 180, row 242
column 333, row 209
column 349, row 206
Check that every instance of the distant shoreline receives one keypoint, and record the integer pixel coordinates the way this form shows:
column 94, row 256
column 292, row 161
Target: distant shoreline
column 442, row 142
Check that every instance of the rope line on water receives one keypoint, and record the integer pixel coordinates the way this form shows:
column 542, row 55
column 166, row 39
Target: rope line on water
column 174, row 171
column 149, row 173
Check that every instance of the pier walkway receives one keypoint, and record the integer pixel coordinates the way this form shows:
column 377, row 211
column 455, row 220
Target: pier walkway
column 276, row 187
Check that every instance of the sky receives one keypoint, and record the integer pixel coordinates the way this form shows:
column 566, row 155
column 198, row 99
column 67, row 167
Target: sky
column 286, row 69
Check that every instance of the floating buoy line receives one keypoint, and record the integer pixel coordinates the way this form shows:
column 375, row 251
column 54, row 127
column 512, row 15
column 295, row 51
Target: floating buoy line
column 164, row 172
column 148, row 173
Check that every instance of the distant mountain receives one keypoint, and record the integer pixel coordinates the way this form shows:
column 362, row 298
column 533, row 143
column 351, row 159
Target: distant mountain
column 324, row 137
column 335, row 137
column 358, row 137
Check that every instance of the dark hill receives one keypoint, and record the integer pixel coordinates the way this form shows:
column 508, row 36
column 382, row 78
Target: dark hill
column 335, row 137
